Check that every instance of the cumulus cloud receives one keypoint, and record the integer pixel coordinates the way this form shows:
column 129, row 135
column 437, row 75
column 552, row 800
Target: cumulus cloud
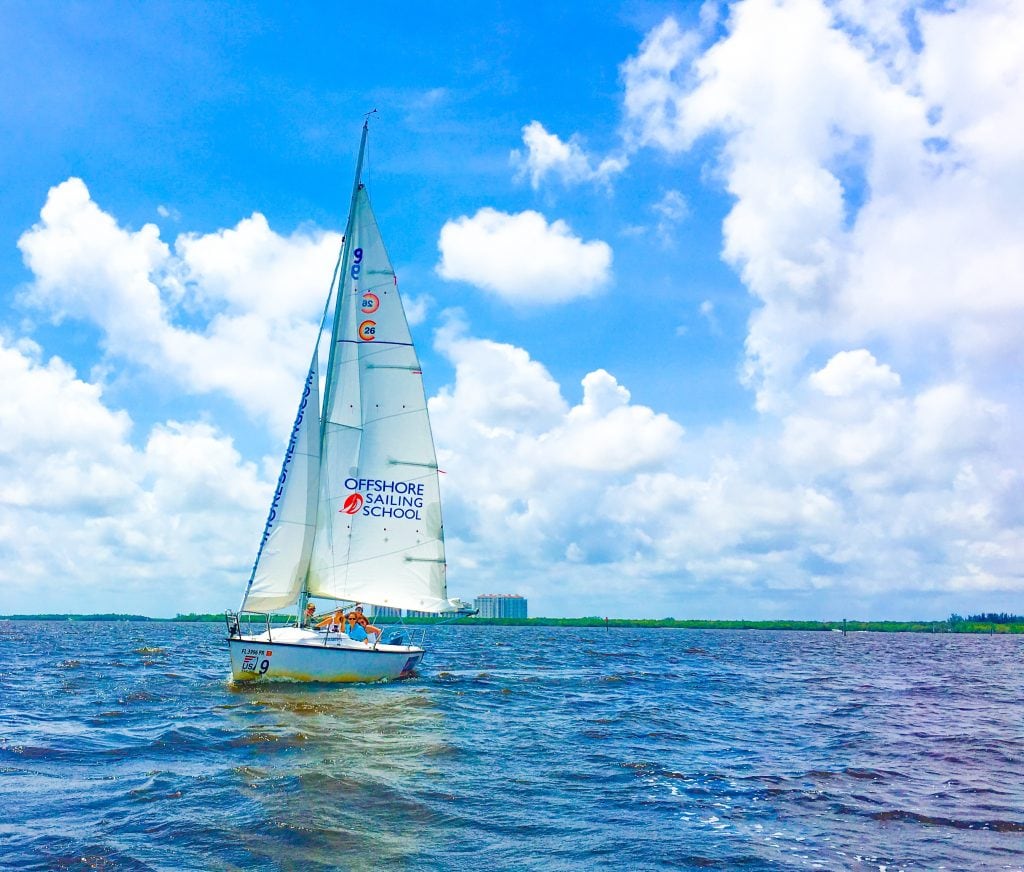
column 83, row 512
column 862, row 490
column 257, row 295
column 873, row 176
column 547, row 155
column 851, row 371
column 655, row 87
column 522, row 258
column 869, row 203
column 416, row 308
column 528, row 473
column 871, row 154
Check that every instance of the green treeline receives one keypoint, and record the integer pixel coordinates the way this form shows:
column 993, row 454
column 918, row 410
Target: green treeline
column 990, row 618
column 994, row 622
column 193, row 618
column 106, row 616
column 963, row 626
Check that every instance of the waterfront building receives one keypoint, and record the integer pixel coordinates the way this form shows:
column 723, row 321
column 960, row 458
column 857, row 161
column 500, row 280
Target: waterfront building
column 386, row 612
column 412, row 613
column 500, row 605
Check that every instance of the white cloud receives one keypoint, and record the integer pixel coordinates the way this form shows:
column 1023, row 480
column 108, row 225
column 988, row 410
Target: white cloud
column 527, row 472
column 671, row 209
column 849, row 372
column 864, row 490
column 874, row 221
column 609, row 489
column 546, row 155
column 529, row 400
column 707, row 312
column 57, row 439
column 876, row 183
column 89, row 522
column 654, row 93
column 923, row 244
column 606, row 433
column 522, row 258
column 258, row 296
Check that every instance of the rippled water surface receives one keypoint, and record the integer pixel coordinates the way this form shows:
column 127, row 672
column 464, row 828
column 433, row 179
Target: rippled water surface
column 122, row 746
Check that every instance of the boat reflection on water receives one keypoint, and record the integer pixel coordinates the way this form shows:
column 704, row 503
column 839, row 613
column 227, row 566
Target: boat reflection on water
column 330, row 770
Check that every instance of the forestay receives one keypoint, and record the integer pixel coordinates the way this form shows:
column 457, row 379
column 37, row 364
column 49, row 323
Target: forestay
column 283, row 557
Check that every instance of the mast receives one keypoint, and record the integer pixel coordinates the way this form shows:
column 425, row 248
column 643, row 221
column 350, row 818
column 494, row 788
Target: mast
column 344, row 259
column 336, row 326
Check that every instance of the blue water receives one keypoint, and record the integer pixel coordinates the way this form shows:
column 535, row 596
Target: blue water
column 122, row 746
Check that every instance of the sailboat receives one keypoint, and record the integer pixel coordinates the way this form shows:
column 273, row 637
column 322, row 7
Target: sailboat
column 356, row 516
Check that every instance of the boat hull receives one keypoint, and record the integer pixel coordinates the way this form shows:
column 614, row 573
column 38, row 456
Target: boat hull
column 259, row 659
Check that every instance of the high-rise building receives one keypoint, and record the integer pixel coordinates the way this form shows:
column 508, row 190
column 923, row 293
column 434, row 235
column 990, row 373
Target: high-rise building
column 386, row 612
column 500, row 605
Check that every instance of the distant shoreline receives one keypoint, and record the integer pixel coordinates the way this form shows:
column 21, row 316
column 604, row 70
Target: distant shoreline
column 948, row 626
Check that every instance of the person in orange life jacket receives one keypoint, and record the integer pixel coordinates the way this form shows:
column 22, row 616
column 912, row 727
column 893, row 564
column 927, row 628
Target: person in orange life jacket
column 307, row 617
column 356, row 618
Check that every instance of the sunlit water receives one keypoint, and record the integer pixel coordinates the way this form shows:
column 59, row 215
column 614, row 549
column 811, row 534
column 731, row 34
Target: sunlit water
column 122, row 746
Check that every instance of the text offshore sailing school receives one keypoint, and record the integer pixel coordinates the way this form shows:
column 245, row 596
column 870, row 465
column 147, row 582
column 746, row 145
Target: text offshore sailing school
column 382, row 498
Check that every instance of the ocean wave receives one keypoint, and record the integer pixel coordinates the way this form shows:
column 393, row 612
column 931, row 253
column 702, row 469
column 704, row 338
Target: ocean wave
column 515, row 748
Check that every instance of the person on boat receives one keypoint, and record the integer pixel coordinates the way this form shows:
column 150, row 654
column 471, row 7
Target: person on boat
column 308, row 615
column 333, row 622
column 356, row 618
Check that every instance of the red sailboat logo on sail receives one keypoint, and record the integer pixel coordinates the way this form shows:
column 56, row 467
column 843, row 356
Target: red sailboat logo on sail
column 353, row 503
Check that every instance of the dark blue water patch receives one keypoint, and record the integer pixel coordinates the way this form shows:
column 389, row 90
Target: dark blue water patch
column 515, row 748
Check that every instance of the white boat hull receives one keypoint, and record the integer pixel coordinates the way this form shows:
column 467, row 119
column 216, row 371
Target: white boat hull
column 290, row 654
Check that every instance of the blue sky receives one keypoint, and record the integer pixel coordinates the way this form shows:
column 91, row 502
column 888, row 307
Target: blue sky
column 719, row 305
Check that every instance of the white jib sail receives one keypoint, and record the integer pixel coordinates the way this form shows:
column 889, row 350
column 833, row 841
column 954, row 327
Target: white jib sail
column 379, row 538
column 283, row 557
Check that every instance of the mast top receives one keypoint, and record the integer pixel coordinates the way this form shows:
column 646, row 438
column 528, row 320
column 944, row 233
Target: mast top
column 359, row 166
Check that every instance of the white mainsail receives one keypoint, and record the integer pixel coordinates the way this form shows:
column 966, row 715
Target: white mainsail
column 378, row 536
column 357, row 513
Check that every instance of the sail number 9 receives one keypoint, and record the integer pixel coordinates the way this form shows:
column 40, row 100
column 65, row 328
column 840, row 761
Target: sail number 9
column 357, row 262
column 255, row 660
